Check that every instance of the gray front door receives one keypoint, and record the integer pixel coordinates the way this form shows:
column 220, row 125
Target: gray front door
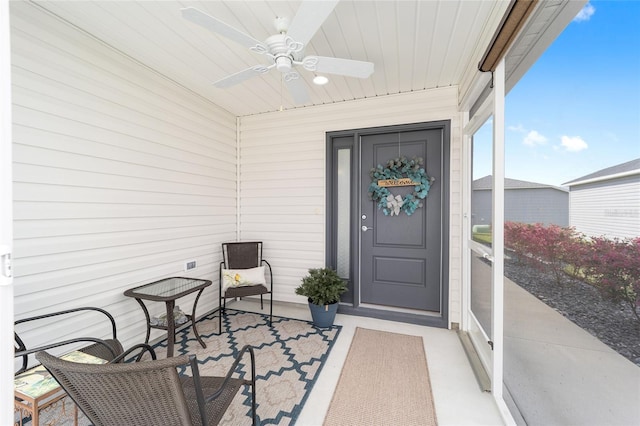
column 401, row 256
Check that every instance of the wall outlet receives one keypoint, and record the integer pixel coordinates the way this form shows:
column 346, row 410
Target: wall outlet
column 190, row 265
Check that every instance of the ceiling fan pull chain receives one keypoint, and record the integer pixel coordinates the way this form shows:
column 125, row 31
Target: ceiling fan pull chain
column 281, row 82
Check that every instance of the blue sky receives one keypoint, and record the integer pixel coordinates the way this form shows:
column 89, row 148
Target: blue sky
column 577, row 110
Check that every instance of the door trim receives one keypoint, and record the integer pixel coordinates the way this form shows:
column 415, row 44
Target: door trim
column 352, row 139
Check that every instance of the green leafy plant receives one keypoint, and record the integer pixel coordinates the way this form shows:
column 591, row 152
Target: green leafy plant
column 322, row 286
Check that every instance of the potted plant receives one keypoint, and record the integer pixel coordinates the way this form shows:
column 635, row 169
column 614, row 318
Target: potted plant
column 323, row 288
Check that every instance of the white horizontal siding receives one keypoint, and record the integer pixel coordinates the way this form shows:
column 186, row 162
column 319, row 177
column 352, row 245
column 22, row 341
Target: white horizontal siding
column 282, row 183
column 120, row 177
column 610, row 208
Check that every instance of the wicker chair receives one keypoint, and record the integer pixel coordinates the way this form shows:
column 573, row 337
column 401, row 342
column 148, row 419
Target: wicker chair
column 110, row 349
column 32, row 402
column 244, row 256
column 149, row 392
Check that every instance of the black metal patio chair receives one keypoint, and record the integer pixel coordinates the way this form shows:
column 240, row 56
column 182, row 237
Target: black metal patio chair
column 33, row 392
column 243, row 272
column 109, row 349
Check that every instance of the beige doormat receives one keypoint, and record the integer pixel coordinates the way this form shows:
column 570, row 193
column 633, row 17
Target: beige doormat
column 384, row 381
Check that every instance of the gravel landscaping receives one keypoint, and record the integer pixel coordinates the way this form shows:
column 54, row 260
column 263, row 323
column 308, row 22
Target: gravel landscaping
column 613, row 323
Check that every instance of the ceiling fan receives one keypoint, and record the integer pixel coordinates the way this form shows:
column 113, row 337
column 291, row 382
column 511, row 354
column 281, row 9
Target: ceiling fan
column 285, row 49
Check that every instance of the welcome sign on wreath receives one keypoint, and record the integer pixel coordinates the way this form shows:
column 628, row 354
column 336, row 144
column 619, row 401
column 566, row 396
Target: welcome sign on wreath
column 399, row 172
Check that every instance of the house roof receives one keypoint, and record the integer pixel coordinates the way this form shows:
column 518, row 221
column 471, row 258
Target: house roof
column 414, row 45
column 619, row 170
column 485, row 183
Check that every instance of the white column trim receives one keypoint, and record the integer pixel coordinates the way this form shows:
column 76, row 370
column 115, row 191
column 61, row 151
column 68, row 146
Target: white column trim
column 6, row 220
column 497, row 221
column 467, row 138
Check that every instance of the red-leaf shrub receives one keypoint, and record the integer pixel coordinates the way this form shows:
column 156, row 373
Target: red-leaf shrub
column 611, row 265
column 514, row 239
column 615, row 266
column 548, row 247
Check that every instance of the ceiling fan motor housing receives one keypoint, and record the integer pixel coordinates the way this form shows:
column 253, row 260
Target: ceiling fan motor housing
column 283, row 63
column 281, row 48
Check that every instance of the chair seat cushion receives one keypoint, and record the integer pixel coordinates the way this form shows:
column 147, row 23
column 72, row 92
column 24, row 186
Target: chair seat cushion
column 253, row 290
column 232, row 278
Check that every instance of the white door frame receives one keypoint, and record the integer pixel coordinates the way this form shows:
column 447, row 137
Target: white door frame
column 494, row 106
column 6, row 222
column 497, row 287
column 470, row 323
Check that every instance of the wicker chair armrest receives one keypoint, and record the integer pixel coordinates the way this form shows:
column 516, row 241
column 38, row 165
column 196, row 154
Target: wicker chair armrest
column 142, row 347
column 232, row 369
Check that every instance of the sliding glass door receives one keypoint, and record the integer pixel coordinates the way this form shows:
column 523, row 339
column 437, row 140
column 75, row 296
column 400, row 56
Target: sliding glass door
column 484, row 230
column 480, row 254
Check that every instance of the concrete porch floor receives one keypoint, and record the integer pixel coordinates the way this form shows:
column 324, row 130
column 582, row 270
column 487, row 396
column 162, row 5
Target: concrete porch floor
column 556, row 373
column 457, row 395
column 559, row 374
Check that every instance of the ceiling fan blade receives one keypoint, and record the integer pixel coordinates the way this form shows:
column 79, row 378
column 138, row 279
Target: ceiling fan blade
column 241, row 76
column 217, row 26
column 329, row 65
column 309, row 18
column 297, row 87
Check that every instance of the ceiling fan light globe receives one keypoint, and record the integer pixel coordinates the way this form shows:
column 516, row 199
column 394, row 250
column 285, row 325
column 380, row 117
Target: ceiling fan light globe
column 320, row 80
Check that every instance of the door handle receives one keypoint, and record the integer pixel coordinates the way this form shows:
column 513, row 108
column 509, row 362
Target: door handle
column 488, row 257
column 365, row 228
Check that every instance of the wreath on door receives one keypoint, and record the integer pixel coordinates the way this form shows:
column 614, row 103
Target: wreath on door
column 399, row 172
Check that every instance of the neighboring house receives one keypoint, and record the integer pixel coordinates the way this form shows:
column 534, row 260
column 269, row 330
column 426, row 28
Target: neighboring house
column 526, row 202
column 607, row 202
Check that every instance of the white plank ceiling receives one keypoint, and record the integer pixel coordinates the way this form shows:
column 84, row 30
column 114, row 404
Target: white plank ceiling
column 415, row 45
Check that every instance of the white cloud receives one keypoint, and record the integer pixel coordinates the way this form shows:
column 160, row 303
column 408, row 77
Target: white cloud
column 573, row 143
column 519, row 128
column 534, row 138
column 585, row 13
